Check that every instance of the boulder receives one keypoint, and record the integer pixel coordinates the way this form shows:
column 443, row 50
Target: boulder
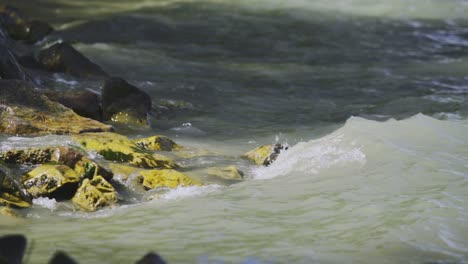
column 14, row 22
column 94, row 194
column 38, row 30
column 264, row 155
column 9, row 65
column 158, row 143
column 116, row 147
column 62, row 57
column 26, row 111
column 11, row 194
column 53, row 181
column 229, row 172
column 85, row 102
column 151, row 179
column 125, row 103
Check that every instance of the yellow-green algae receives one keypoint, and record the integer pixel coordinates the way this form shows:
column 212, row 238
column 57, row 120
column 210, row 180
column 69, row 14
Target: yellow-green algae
column 259, row 155
column 151, row 179
column 123, row 172
column 94, row 194
column 229, row 172
column 7, row 199
column 7, row 211
column 45, row 180
column 116, row 147
column 158, row 143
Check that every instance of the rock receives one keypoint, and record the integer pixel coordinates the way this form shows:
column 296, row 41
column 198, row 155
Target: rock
column 38, row 30
column 12, row 248
column 25, row 111
column 151, row 258
column 229, row 173
column 151, row 179
column 27, row 156
column 14, row 22
column 11, row 194
column 53, row 181
column 123, row 172
column 158, row 143
column 9, row 65
column 7, row 211
column 264, row 155
column 116, row 147
column 94, row 194
column 62, row 258
column 125, row 103
column 62, row 57
column 83, row 102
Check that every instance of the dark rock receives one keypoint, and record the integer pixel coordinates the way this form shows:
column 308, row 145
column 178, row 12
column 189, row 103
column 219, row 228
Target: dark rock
column 9, row 66
column 62, row 57
column 125, row 103
column 26, row 111
column 12, row 248
column 151, row 258
column 62, row 258
column 11, row 194
column 14, row 23
column 38, row 30
column 84, row 102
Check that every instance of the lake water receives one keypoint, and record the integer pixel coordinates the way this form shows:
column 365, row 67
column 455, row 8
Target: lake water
column 371, row 97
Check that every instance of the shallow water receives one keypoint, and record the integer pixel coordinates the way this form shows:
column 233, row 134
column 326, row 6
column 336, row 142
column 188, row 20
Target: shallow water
column 370, row 95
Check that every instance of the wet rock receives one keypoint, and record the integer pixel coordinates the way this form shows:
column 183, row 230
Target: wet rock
column 158, row 143
column 14, row 22
column 26, row 111
column 7, row 211
column 38, row 30
column 11, row 194
column 12, row 248
column 116, row 147
column 62, row 258
column 94, row 194
column 264, row 155
column 123, row 172
column 229, row 173
column 151, row 179
column 62, row 57
column 53, row 181
column 9, row 65
column 125, row 103
column 151, row 258
column 83, row 102
column 27, row 156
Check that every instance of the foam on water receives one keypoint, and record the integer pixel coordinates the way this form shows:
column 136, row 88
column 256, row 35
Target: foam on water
column 45, row 202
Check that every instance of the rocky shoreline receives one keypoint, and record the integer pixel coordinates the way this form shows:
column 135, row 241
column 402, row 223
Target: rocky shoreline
column 97, row 165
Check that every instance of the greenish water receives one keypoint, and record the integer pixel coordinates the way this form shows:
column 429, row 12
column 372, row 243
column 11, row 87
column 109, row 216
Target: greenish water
column 331, row 79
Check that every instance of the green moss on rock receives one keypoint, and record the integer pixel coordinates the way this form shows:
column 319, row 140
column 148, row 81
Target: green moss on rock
column 264, row 155
column 94, row 194
column 151, row 179
column 158, row 143
column 116, row 147
column 11, row 194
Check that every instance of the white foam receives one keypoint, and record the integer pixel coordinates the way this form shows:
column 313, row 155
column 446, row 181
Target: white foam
column 185, row 192
column 45, row 202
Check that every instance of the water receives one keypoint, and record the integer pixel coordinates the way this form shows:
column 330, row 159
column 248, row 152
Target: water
column 370, row 95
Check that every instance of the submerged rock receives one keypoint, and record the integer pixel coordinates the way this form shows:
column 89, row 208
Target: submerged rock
column 158, row 143
column 123, row 172
column 151, row 179
column 53, row 181
column 229, row 173
column 62, row 57
column 11, row 193
column 125, row 103
column 94, row 194
column 12, row 248
column 116, row 147
column 25, row 111
column 83, row 102
column 264, row 155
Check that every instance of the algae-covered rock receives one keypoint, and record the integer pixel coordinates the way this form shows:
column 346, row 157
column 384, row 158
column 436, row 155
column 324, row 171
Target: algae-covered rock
column 159, row 143
column 123, row 172
column 25, row 111
column 94, row 194
column 125, row 103
column 229, row 173
column 85, row 102
column 7, row 211
column 151, row 179
column 264, row 155
column 116, row 147
column 11, row 194
column 27, row 156
column 62, row 57
column 53, row 181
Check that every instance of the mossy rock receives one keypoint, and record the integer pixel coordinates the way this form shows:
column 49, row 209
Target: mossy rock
column 7, row 211
column 94, row 194
column 229, row 172
column 11, row 194
column 27, row 156
column 53, row 181
column 123, row 172
column 116, row 147
column 151, row 179
column 158, row 143
column 264, row 155
column 24, row 110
